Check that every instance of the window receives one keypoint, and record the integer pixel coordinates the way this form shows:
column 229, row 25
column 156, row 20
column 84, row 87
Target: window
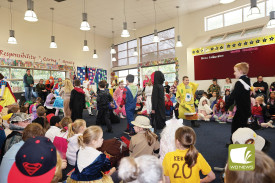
column 5, row 72
column 59, row 74
column 233, row 17
column 123, row 73
column 236, row 15
column 168, row 70
column 41, row 74
column 151, row 51
column 17, row 73
column 253, row 31
column 125, row 55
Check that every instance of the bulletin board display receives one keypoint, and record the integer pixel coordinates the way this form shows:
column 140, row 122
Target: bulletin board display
column 220, row 65
column 94, row 74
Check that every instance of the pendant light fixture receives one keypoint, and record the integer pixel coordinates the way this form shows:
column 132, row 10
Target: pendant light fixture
column 156, row 38
column 135, row 48
column 226, row 1
column 271, row 23
column 30, row 15
column 113, row 50
column 113, row 59
column 125, row 32
column 11, row 39
column 254, row 11
column 53, row 44
column 179, row 43
column 85, row 47
column 84, row 24
column 94, row 55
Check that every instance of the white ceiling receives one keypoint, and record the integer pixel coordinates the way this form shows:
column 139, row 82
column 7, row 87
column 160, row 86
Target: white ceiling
column 69, row 12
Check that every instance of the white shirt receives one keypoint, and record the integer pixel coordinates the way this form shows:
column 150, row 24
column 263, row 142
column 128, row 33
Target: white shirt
column 148, row 91
column 86, row 156
column 52, row 132
column 72, row 149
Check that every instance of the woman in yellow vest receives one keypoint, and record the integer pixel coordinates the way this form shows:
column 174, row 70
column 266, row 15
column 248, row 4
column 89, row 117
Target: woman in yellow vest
column 186, row 98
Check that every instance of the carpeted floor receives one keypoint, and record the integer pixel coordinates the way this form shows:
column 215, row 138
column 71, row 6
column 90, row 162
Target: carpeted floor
column 211, row 140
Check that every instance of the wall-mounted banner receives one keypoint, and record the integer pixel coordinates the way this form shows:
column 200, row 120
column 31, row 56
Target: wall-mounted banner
column 220, row 65
column 260, row 41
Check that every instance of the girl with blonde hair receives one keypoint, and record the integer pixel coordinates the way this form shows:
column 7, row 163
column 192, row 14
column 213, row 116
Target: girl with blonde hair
column 91, row 163
column 65, row 93
column 74, row 131
column 184, row 164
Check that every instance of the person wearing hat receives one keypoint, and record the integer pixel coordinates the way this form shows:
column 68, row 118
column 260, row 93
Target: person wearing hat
column 49, row 84
column 18, row 122
column 145, row 142
column 32, row 130
column 248, row 136
column 42, row 165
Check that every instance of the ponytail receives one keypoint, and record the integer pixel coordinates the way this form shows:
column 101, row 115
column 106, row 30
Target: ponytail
column 70, row 130
column 80, row 141
column 191, row 156
column 65, row 123
column 74, row 128
column 90, row 134
column 150, row 136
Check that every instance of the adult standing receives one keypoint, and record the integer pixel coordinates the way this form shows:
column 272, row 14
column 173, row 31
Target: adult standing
column 173, row 88
column 186, row 98
column 241, row 97
column 167, row 87
column 214, row 88
column 65, row 93
column 260, row 87
column 228, row 86
column 158, row 103
column 28, row 84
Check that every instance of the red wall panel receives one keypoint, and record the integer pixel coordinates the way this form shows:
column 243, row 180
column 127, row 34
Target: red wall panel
column 220, row 65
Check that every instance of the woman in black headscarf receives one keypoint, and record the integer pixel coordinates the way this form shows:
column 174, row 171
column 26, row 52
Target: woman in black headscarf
column 158, row 103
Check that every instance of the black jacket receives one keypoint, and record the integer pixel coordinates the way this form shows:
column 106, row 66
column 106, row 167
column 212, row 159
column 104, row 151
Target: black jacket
column 241, row 97
column 77, row 104
column 261, row 84
column 103, row 99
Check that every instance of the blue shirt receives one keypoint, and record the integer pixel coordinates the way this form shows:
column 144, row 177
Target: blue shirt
column 8, row 160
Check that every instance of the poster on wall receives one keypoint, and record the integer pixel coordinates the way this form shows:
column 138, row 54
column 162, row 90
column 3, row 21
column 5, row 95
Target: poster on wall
column 220, row 65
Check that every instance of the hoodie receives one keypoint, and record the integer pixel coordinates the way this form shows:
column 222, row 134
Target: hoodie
column 205, row 107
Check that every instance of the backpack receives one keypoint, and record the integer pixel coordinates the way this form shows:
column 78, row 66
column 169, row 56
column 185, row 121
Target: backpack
column 115, row 149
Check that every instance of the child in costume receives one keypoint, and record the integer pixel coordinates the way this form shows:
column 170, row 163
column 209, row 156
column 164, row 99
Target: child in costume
column 258, row 113
column 34, row 107
column 168, row 106
column 139, row 105
column 158, row 101
column 186, row 163
column 58, row 85
column 185, row 95
column 241, row 97
column 118, row 94
column 129, row 99
column 6, row 95
column 49, row 103
column 91, row 163
column 65, row 93
column 86, row 89
column 204, row 110
column 219, row 112
column 148, row 95
column 49, row 84
column 213, row 99
column 231, row 114
column 271, row 106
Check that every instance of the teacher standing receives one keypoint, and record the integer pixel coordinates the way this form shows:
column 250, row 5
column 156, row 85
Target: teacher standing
column 28, row 84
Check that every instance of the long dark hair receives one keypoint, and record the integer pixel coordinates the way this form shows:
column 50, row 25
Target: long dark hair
column 187, row 138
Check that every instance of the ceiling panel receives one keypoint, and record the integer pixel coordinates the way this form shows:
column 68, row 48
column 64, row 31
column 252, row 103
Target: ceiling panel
column 100, row 11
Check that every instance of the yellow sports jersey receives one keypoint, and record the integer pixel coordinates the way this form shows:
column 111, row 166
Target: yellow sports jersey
column 174, row 166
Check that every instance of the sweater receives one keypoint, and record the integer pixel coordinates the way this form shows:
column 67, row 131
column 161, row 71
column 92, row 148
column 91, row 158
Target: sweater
column 73, row 147
column 28, row 80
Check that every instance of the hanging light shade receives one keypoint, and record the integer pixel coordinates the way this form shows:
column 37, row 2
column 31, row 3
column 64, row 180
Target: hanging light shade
column 30, row 15
column 113, row 50
column 179, row 43
column 53, row 44
column 12, row 39
column 125, row 32
column 226, row 1
column 156, row 38
column 84, row 24
column 135, row 51
column 271, row 23
column 95, row 55
column 254, row 11
column 85, row 47
column 114, row 59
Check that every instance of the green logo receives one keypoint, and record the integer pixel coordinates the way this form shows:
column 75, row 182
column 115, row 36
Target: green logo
column 241, row 157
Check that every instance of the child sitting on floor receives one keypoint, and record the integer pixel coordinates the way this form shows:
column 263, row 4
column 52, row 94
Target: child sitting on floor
column 213, row 99
column 204, row 110
column 219, row 112
column 139, row 105
column 258, row 112
column 271, row 106
column 90, row 163
column 168, row 106
column 33, row 108
column 226, row 96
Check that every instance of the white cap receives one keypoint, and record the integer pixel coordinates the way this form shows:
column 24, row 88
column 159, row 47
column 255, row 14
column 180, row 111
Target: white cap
column 248, row 136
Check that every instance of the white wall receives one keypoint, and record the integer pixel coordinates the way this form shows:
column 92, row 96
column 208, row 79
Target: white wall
column 34, row 38
column 193, row 36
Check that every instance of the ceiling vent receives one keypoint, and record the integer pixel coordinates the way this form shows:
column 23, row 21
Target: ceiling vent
column 59, row 0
